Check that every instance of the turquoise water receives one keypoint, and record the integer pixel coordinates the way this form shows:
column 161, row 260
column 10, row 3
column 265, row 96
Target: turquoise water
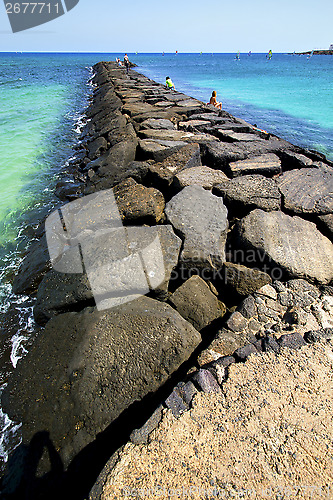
column 42, row 97
column 291, row 96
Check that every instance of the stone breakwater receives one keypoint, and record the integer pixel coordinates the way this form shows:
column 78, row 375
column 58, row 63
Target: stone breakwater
column 244, row 220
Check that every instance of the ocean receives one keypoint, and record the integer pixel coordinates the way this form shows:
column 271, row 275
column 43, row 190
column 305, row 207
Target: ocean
column 42, row 97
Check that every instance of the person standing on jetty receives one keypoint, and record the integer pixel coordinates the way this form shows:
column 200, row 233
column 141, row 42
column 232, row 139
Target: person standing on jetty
column 214, row 102
column 126, row 62
column 169, row 84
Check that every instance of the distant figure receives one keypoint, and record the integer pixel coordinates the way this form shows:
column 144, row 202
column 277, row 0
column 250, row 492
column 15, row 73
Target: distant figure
column 126, row 62
column 169, row 84
column 214, row 102
column 250, row 53
column 237, row 56
column 269, row 55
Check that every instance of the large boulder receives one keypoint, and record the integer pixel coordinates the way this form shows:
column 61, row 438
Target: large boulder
column 288, row 245
column 195, row 301
column 308, row 190
column 201, row 176
column 268, row 164
column 249, row 192
column 137, row 203
column 201, row 220
column 87, row 368
column 60, row 292
column 34, row 266
column 161, row 174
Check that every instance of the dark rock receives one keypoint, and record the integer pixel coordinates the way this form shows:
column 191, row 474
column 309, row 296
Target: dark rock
column 248, row 308
column 243, row 353
column 60, row 292
column 248, row 192
column 161, row 174
column 219, row 155
column 34, row 266
column 158, row 150
column 309, row 190
column 187, row 391
column 315, row 336
column 270, row 344
column 290, row 244
column 67, row 191
column 196, row 303
column 201, row 220
column 87, row 368
column 267, row 164
column 292, row 341
column 243, row 280
column 138, row 170
column 141, row 436
column 326, row 221
column 205, row 380
column 121, row 154
column 97, row 147
column 291, row 160
column 176, row 404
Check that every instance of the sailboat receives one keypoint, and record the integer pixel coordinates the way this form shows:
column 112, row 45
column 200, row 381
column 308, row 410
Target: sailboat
column 310, row 55
column 269, row 55
column 237, row 58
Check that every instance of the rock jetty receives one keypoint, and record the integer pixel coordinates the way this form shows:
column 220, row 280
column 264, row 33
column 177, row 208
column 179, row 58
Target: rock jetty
column 243, row 222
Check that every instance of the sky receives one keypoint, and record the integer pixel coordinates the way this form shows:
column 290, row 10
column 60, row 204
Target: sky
column 183, row 25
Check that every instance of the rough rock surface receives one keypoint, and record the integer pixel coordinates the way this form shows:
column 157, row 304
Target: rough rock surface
column 268, row 164
column 249, row 192
column 61, row 292
column 201, row 220
column 202, row 176
column 75, row 384
column 243, row 280
column 272, row 426
column 289, row 243
column 196, row 303
column 138, row 204
column 308, row 190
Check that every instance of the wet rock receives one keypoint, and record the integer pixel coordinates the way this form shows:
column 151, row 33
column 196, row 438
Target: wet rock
column 243, row 280
column 75, row 384
column 308, row 190
column 202, row 176
column 196, row 303
column 67, row 191
column 201, row 220
column 267, row 164
column 34, row 266
column 97, row 147
column 248, row 192
column 290, row 244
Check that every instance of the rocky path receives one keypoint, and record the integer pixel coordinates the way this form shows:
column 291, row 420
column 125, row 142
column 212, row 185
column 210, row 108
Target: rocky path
column 231, row 229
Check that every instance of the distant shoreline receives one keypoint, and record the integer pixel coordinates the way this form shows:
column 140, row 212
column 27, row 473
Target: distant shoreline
column 315, row 53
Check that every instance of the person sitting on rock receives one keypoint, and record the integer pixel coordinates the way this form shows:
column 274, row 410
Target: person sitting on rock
column 214, row 102
column 169, row 84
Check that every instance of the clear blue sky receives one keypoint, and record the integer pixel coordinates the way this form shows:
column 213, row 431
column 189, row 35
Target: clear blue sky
column 183, row 25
